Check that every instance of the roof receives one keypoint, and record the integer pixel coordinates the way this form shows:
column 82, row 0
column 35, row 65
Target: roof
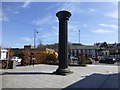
column 4, row 50
column 82, row 47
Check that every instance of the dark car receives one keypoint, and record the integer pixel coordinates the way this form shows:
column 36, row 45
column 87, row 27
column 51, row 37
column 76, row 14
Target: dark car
column 108, row 60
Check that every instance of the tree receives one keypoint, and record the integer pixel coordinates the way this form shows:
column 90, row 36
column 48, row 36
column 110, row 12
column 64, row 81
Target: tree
column 39, row 57
column 10, row 53
column 104, row 44
column 26, row 58
column 50, row 46
column 82, row 59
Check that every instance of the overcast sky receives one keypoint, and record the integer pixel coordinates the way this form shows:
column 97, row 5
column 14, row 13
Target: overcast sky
column 97, row 22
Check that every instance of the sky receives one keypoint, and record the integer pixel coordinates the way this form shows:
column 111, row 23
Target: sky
column 97, row 22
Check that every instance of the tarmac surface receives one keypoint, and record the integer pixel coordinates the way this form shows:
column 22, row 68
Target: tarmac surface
column 41, row 76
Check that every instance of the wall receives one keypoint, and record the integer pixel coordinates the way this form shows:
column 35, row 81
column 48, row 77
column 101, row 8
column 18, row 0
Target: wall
column 4, row 54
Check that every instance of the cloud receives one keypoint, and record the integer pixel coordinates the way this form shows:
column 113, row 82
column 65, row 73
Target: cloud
column 73, row 27
column 48, row 35
column 84, row 35
column 115, row 3
column 46, row 20
column 113, row 14
column 4, row 10
column 109, row 25
column 48, row 38
column 16, row 12
column 51, row 34
column 102, row 31
column 85, row 25
column 26, row 39
column 3, row 17
column 75, row 8
column 10, row 9
column 26, row 3
column 72, row 7
column 91, row 10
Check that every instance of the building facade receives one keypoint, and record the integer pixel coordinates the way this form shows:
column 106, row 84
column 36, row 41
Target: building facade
column 89, row 50
column 3, row 54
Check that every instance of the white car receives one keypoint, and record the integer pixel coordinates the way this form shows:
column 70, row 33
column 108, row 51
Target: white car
column 73, row 58
column 17, row 59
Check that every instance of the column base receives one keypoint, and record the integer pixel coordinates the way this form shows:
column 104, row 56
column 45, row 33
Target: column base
column 63, row 72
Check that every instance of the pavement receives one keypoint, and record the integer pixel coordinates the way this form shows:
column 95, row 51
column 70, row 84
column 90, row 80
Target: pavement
column 41, row 76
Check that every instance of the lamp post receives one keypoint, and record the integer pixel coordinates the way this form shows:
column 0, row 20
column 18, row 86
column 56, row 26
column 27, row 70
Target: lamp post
column 35, row 32
column 79, row 36
column 63, row 17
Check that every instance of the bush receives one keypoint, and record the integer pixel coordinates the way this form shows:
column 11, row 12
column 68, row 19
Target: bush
column 39, row 56
column 51, row 57
column 4, row 64
column 82, row 63
column 27, row 57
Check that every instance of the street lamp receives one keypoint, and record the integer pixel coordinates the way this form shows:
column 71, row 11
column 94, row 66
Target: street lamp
column 35, row 32
column 79, row 36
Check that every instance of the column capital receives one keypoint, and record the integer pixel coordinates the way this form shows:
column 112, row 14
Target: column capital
column 63, row 15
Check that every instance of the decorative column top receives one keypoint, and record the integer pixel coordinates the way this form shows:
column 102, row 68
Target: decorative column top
column 63, row 15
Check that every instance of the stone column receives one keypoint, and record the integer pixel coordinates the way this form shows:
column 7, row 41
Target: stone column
column 63, row 17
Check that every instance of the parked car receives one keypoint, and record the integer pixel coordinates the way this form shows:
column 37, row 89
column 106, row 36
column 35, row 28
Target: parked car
column 89, row 61
column 108, row 60
column 118, row 59
column 17, row 59
column 73, row 60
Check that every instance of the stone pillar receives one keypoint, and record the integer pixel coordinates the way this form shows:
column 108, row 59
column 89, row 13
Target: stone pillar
column 63, row 17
